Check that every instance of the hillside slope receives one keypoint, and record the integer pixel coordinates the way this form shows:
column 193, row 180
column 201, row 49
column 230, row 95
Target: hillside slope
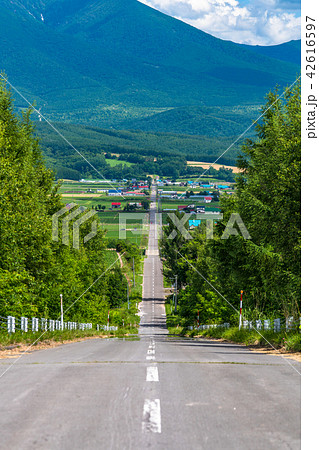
column 111, row 62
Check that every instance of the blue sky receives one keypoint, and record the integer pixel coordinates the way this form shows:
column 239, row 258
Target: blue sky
column 254, row 22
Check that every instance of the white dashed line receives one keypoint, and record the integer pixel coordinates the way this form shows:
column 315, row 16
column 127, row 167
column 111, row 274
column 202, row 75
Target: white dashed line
column 152, row 373
column 152, row 416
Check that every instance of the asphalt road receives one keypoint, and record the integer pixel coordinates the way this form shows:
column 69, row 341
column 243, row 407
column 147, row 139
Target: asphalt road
column 150, row 391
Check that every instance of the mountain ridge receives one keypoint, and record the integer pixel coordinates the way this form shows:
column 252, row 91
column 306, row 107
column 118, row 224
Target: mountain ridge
column 83, row 61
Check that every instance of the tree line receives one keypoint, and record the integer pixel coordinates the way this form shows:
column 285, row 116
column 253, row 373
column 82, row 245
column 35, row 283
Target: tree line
column 164, row 166
column 212, row 272
column 35, row 269
column 160, row 153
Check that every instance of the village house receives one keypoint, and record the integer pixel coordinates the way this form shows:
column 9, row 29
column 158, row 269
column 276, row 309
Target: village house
column 114, row 192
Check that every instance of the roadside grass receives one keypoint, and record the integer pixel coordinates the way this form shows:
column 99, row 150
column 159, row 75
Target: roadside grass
column 287, row 341
column 135, row 292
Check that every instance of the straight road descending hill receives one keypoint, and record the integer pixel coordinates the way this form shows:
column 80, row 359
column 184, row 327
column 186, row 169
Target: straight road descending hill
column 151, row 391
column 153, row 305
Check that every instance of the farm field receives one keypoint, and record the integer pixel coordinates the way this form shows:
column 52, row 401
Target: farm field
column 174, row 203
column 205, row 179
column 197, row 189
column 75, row 192
column 116, row 162
column 85, row 194
column 69, row 185
column 81, row 195
column 205, row 165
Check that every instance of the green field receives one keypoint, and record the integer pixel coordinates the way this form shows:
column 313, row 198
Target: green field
column 173, row 204
column 69, row 185
column 109, row 218
column 117, row 162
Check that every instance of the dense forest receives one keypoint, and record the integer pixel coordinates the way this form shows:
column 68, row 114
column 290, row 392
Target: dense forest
column 267, row 198
column 34, row 269
column 165, row 154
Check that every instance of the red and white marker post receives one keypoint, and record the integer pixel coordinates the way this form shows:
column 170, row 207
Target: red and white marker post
column 198, row 319
column 61, row 303
column 240, row 309
column 108, row 319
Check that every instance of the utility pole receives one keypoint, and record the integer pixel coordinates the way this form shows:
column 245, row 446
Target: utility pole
column 133, row 273
column 240, row 310
column 175, row 310
column 128, row 295
column 61, row 299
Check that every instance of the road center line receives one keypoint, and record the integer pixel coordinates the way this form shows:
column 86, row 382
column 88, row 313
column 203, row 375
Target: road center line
column 152, row 373
column 152, row 416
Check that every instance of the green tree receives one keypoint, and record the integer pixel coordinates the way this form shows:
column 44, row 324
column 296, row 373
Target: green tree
column 34, row 269
column 267, row 198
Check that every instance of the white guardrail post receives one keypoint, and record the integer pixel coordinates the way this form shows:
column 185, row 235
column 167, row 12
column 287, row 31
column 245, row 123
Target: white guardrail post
column 289, row 323
column 266, row 324
column 276, row 325
column 49, row 324
column 35, row 324
column 44, row 324
column 24, row 324
column 11, row 324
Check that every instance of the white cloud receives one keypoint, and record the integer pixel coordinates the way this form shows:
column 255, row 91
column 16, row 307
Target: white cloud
column 261, row 22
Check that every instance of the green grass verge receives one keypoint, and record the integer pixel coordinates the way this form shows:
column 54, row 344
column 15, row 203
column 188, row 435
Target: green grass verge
column 287, row 341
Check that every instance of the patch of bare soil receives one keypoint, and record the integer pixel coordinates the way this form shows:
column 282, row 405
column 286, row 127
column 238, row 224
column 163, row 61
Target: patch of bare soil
column 256, row 348
column 206, row 166
column 281, row 352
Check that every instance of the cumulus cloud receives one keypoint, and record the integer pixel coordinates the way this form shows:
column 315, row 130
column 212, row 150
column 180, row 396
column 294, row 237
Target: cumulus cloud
column 254, row 22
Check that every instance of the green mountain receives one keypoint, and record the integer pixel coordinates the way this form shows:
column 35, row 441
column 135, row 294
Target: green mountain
column 290, row 51
column 199, row 120
column 121, row 64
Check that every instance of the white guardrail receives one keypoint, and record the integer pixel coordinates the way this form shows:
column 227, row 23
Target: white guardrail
column 276, row 325
column 24, row 324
